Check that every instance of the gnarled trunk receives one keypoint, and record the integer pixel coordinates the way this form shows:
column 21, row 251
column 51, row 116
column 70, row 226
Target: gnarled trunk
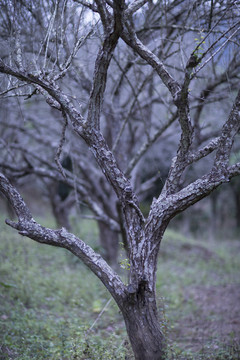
column 143, row 326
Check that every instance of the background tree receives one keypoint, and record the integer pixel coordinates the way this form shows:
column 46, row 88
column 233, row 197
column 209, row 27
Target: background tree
column 159, row 71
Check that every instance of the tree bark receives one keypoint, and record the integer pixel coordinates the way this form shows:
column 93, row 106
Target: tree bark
column 109, row 240
column 143, row 326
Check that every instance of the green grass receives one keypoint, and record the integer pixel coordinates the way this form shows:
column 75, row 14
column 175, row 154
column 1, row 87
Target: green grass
column 49, row 300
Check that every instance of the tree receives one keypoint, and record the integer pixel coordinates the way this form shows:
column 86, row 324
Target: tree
column 153, row 36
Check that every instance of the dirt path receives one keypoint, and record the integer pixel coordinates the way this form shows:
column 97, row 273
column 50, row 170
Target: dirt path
column 215, row 319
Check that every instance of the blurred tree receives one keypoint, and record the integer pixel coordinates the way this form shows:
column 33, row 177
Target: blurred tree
column 120, row 78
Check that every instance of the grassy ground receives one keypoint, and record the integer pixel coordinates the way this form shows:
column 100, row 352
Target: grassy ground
column 51, row 306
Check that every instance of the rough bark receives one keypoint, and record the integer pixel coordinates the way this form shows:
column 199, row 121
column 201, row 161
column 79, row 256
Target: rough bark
column 143, row 326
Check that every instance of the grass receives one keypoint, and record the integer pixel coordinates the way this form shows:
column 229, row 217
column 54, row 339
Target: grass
column 48, row 301
column 50, row 304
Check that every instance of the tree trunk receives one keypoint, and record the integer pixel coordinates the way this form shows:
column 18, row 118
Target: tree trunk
column 61, row 215
column 214, row 213
column 109, row 240
column 236, row 195
column 237, row 203
column 60, row 211
column 143, row 326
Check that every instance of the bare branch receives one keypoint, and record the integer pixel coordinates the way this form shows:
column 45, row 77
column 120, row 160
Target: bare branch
column 26, row 226
column 55, row 93
column 77, row 184
column 19, row 57
column 229, row 131
column 186, row 197
column 87, row 4
column 148, row 144
column 15, row 199
column 216, row 52
column 103, row 12
column 101, row 65
column 131, row 39
column 134, row 6
column 205, row 151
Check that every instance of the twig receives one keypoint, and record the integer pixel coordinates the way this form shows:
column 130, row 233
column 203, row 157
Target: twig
column 99, row 315
column 215, row 53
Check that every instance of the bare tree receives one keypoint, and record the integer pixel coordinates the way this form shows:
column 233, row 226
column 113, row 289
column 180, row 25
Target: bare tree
column 185, row 73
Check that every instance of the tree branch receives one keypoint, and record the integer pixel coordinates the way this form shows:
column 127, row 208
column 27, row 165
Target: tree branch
column 134, row 6
column 102, row 63
column 131, row 39
column 26, row 226
column 229, row 131
column 86, row 4
column 144, row 148
column 168, row 205
column 53, row 92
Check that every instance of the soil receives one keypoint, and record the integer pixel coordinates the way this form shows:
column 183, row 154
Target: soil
column 215, row 321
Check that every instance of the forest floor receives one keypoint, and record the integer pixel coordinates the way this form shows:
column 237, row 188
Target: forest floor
column 52, row 307
column 205, row 286
column 217, row 316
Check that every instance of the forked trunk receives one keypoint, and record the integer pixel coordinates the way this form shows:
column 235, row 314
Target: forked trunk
column 143, row 327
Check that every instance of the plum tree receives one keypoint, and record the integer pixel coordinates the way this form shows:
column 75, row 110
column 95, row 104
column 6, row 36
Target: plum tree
column 155, row 74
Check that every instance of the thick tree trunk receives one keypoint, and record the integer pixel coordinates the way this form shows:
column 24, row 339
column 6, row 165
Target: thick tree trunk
column 109, row 240
column 143, row 327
